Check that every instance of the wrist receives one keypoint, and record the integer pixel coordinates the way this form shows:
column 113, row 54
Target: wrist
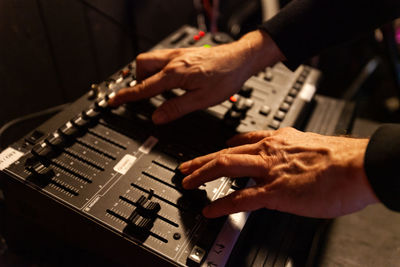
column 261, row 50
column 369, row 193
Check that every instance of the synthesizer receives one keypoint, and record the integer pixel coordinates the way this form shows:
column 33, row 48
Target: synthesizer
column 106, row 178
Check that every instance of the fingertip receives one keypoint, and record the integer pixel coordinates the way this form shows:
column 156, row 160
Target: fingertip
column 113, row 102
column 185, row 184
column 184, row 167
column 206, row 212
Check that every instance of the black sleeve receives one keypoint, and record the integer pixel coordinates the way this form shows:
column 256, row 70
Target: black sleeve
column 382, row 164
column 305, row 27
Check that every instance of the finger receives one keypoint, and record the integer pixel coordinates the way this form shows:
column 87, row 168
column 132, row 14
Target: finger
column 247, row 199
column 150, row 63
column 191, row 165
column 152, row 86
column 229, row 165
column 248, row 138
column 179, row 106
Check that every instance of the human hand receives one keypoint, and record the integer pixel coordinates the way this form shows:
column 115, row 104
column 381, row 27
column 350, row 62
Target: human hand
column 209, row 75
column 302, row 173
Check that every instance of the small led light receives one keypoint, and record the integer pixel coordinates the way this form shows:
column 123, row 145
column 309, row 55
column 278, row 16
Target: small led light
column 196, row 37
column 233, row 99
column 201, row 33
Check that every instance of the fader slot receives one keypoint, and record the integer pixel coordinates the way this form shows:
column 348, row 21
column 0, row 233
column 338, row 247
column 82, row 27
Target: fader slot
column 133, row 203
column 64, row 186
column 167, row 211
column 126, row 220
column 69, row 178
column 99, row 145
column 77, row 168
column 174, row 202
column 88, row 155
column 167, row 162
column 110, row 135
column 160, row 174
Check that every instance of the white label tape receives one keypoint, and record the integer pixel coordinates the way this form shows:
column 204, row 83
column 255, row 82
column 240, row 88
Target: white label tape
column 307, row 92
column 148, row 145
column 8, row 157
column 125, row 164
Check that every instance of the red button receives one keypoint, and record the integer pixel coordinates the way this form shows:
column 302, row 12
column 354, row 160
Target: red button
column 196, row 37
column 125, row 73
column 201, row 33
column 233, row 99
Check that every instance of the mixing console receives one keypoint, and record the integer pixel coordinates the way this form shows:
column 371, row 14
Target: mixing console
column 107, row 178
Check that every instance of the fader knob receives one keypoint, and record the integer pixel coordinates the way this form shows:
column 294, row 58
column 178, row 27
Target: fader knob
column 55, row 139
column 42, row 150
column 147, row 208
column 40, row 172
column 68, row 130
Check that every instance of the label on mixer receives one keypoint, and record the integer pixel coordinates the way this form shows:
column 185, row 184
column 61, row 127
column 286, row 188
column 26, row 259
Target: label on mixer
column 307, row 92
column 8, row 157
column 125, row 164
column 148, row 145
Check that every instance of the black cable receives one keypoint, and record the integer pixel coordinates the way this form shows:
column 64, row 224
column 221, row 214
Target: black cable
column 16, row 121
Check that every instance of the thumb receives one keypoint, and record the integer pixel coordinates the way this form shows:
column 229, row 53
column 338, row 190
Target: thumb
column 247, row 199
column 177, row 107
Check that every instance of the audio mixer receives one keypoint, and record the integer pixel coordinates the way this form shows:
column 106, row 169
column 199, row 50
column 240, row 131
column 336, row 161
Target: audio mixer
column 106, row 178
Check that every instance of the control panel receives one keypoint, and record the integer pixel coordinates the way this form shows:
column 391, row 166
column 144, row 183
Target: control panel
column 111, row 173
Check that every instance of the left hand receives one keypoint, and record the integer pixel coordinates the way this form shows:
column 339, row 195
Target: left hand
column 302, row 173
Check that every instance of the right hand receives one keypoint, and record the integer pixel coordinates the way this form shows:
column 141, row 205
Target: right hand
column 209, row 75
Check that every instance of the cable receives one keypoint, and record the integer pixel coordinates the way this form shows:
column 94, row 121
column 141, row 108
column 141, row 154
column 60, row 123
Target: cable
column 201, row 21
column 16, row 121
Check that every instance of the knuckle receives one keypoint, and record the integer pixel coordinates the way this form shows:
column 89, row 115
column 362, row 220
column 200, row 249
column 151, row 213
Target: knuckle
column 222, row 161
column 141, row 57
column 170, row 69
column 236, row 201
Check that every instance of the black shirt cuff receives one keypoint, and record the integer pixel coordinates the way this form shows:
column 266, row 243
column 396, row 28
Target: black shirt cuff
column 382, row 165
column 303, row 28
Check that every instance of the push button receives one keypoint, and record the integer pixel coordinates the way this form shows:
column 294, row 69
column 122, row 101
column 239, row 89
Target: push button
column 265, row 110
column 246, row 91
column 268, row 75
column 293, row 92
column 249, row 103
column 297, row 86
column 279, row 115
column 284, row 107
column 196, row 256
column 289, row 99
column 274, row 124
